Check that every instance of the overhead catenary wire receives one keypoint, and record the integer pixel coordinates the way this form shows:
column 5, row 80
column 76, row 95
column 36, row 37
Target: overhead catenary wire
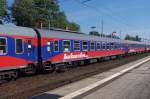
column 102, row 11
column 86, row 1
column 108, row 12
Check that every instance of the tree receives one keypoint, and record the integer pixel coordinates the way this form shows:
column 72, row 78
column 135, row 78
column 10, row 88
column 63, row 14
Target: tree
column 94, row 33
column 2, row 8
column 132, row 38
column 137, row 38
column 60, row 21
column 73, row 26
column 37, row 13
column 1, row 22
column 24, row 12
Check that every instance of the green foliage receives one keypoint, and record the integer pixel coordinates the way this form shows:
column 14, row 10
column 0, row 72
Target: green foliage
column 34, row 13
column 94, row 33
column 103, row 35
column 73, row 26
column 2, row 8
column 112, row 36
column 24, row 12
column 1, row 22
column 60, row 21
column 132, row 38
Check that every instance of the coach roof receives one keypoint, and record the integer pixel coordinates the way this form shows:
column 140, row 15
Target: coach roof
column 133, row 42
column 16, row 30
column 72, row 35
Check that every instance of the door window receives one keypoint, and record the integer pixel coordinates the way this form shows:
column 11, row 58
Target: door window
column 29, row 45
column 49, row 46
column 56, row 46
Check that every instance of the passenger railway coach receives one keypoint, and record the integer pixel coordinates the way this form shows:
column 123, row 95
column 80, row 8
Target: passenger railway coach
column 29, row 50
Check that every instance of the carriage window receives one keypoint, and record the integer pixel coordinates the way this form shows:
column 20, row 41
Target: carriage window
column 118, row 46
column 98, row 45
column 76, row 45
column 112, row 45
column 92, row 46
column 104, row 45
column 3, row 46
column 85, row 45
column 115, row 45
column 108, row 45
column 56, row 43
column 19, row 46
column 66, row 45
column 48, row 46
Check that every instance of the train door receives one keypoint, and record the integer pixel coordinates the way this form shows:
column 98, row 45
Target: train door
column 126, row 47
column 30, row 53
column 48, row 50
column 47, row 53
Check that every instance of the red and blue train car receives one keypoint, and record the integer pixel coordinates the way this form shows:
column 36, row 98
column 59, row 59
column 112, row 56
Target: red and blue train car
column 61, row 46
column 30, row 50
column 18, row 48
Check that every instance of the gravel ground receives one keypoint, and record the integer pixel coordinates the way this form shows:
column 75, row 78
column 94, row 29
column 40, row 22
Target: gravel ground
column 28, row 86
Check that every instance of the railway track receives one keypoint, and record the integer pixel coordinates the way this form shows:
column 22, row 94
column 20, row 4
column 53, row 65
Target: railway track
column 30, row 85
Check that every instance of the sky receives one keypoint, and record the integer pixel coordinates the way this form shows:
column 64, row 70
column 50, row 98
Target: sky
column 125, row 16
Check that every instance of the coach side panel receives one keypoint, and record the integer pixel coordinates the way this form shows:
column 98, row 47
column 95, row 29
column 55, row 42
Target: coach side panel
column 17, row 51
column 58, row 50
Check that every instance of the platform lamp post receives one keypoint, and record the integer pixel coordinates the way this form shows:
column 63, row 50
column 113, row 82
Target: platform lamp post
column 93, row 27
column 120, row 34
column 49, row 22
column 113, row 33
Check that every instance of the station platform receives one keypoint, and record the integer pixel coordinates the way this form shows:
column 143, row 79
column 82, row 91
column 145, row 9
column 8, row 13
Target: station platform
column 130, row 81
column 133, row 85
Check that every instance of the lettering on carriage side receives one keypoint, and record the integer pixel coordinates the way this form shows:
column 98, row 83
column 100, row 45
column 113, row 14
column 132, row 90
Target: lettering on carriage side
column 72, row 56
column 132, row 50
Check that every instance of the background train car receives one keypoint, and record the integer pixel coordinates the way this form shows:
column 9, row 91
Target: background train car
column 147, row 46
column 64, row 47
column 135, row 47
column 18, row 50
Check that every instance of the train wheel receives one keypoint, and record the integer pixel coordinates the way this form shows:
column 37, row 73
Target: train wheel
column 32, row 69
column 48, row 68
column 14, row 76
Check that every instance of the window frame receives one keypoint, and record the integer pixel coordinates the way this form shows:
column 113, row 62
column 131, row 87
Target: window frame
column 119, row 46
column 83, row 46
column 54, row 46
column 6, row 45
column 22, row 45
column 116, row 46
column 107, row 45
column 111, row 46
column 99, row 46
column 104, row 43
column 93, row 45
column 69, row 46
column 74, row 45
